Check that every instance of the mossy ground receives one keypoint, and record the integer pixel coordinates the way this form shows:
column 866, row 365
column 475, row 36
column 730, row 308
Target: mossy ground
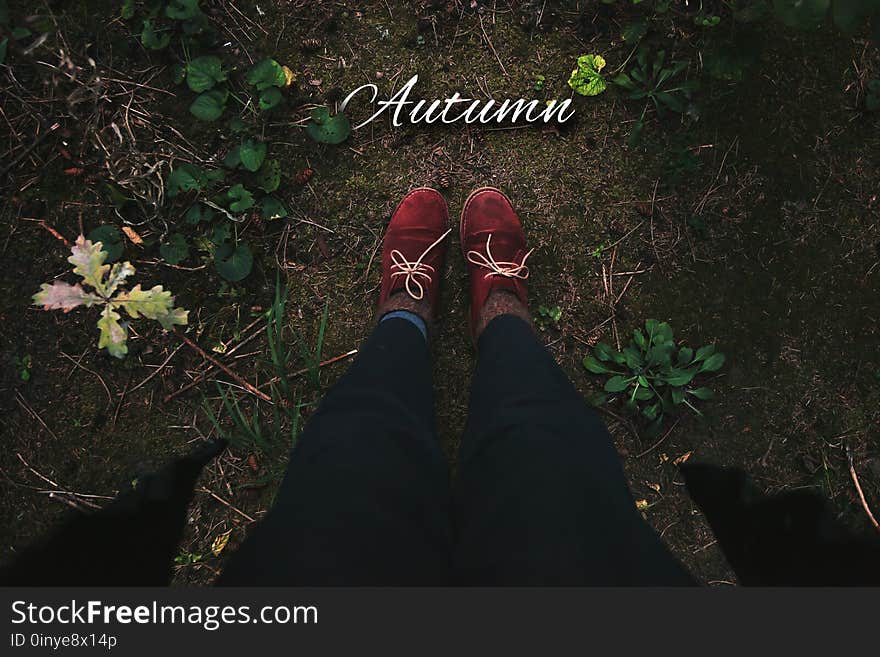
column 781, row 168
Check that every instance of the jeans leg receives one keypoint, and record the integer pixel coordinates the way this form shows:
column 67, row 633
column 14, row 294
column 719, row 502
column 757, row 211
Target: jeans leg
column 541, row 497
column 366, row 496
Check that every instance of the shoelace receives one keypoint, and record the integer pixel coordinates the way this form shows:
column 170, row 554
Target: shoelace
column 505, row 269
column 415, row 269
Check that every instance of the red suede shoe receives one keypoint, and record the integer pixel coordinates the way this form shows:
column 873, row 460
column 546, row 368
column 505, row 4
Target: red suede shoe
column 493, row 243
column 414, row 248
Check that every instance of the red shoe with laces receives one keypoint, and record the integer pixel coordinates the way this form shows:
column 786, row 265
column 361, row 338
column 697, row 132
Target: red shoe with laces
column 414, row 247
column 494, row 246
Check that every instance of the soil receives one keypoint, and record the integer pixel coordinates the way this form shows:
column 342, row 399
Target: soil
column 755, row 226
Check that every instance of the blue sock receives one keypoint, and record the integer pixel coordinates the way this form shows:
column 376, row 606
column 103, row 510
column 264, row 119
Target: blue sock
column 414, row 319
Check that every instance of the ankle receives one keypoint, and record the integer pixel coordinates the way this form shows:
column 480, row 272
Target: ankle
column 501, row 303
column 400, row 300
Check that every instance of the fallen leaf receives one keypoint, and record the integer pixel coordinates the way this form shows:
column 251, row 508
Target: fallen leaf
column 642, row 505
column 655, row 487
column 683, row 458
column 220, row 542
column 647, row 210
column 303, row 176
column 289, row 76
column 131, row 234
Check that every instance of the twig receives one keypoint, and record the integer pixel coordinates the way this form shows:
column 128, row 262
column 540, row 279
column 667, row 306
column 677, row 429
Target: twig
column 28, row 466
column 204, row 375
column 23, row 403
column 27, row 150
column 120, row 402
column 855, row 478
column 226, row 504
column 70, row 499
column 657, row 444
column 494, row 52
column 329, row 361
column 73, row 503
column 216, row 363
column 83, row 367
column 55, row 233
column 75, row 494
column 158, row 369
column 626, row 285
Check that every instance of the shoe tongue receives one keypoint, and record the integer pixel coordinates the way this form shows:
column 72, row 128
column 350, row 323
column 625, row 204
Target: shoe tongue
column 414, row 241
column 503, row 284
column 502, row 245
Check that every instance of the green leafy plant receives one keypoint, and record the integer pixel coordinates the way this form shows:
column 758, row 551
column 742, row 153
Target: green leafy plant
column 240, row 199
column 272, row 208
column 653, row 79
column 328, row 129
column 198, row 213
column 157, row 22
column 269, row 98
column 652, row 375
column 88, row 258
column 268, row 178
column 24, row 365
column 269, row 77
column 233, row 261
column 548, row 316
column 706, row 20
column 186, row 177
column 188, row 558
column 203, row 73
column 183, row 9
column 587, row 79
column 265, row 74
column 175, row 249
column 152, row 38
column 250, row 154
column 209, row 105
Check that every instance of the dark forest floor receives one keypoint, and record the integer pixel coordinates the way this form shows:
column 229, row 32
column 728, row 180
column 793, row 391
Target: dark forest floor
column 756, row 227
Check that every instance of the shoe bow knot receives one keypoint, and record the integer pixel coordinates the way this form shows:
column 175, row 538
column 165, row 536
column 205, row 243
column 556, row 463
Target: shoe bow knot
column 413, row 270
column 496, row 268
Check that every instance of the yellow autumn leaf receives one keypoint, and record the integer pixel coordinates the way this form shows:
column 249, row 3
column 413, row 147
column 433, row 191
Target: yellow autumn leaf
column 683, row 458
column 220, row 542
column 642, row 505
column 289, row 76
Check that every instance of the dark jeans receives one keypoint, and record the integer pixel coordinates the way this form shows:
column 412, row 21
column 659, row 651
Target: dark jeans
column 540, row 498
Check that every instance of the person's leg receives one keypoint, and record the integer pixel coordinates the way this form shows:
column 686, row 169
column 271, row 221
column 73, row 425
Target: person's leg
column 366, row 496
column 541, row 497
